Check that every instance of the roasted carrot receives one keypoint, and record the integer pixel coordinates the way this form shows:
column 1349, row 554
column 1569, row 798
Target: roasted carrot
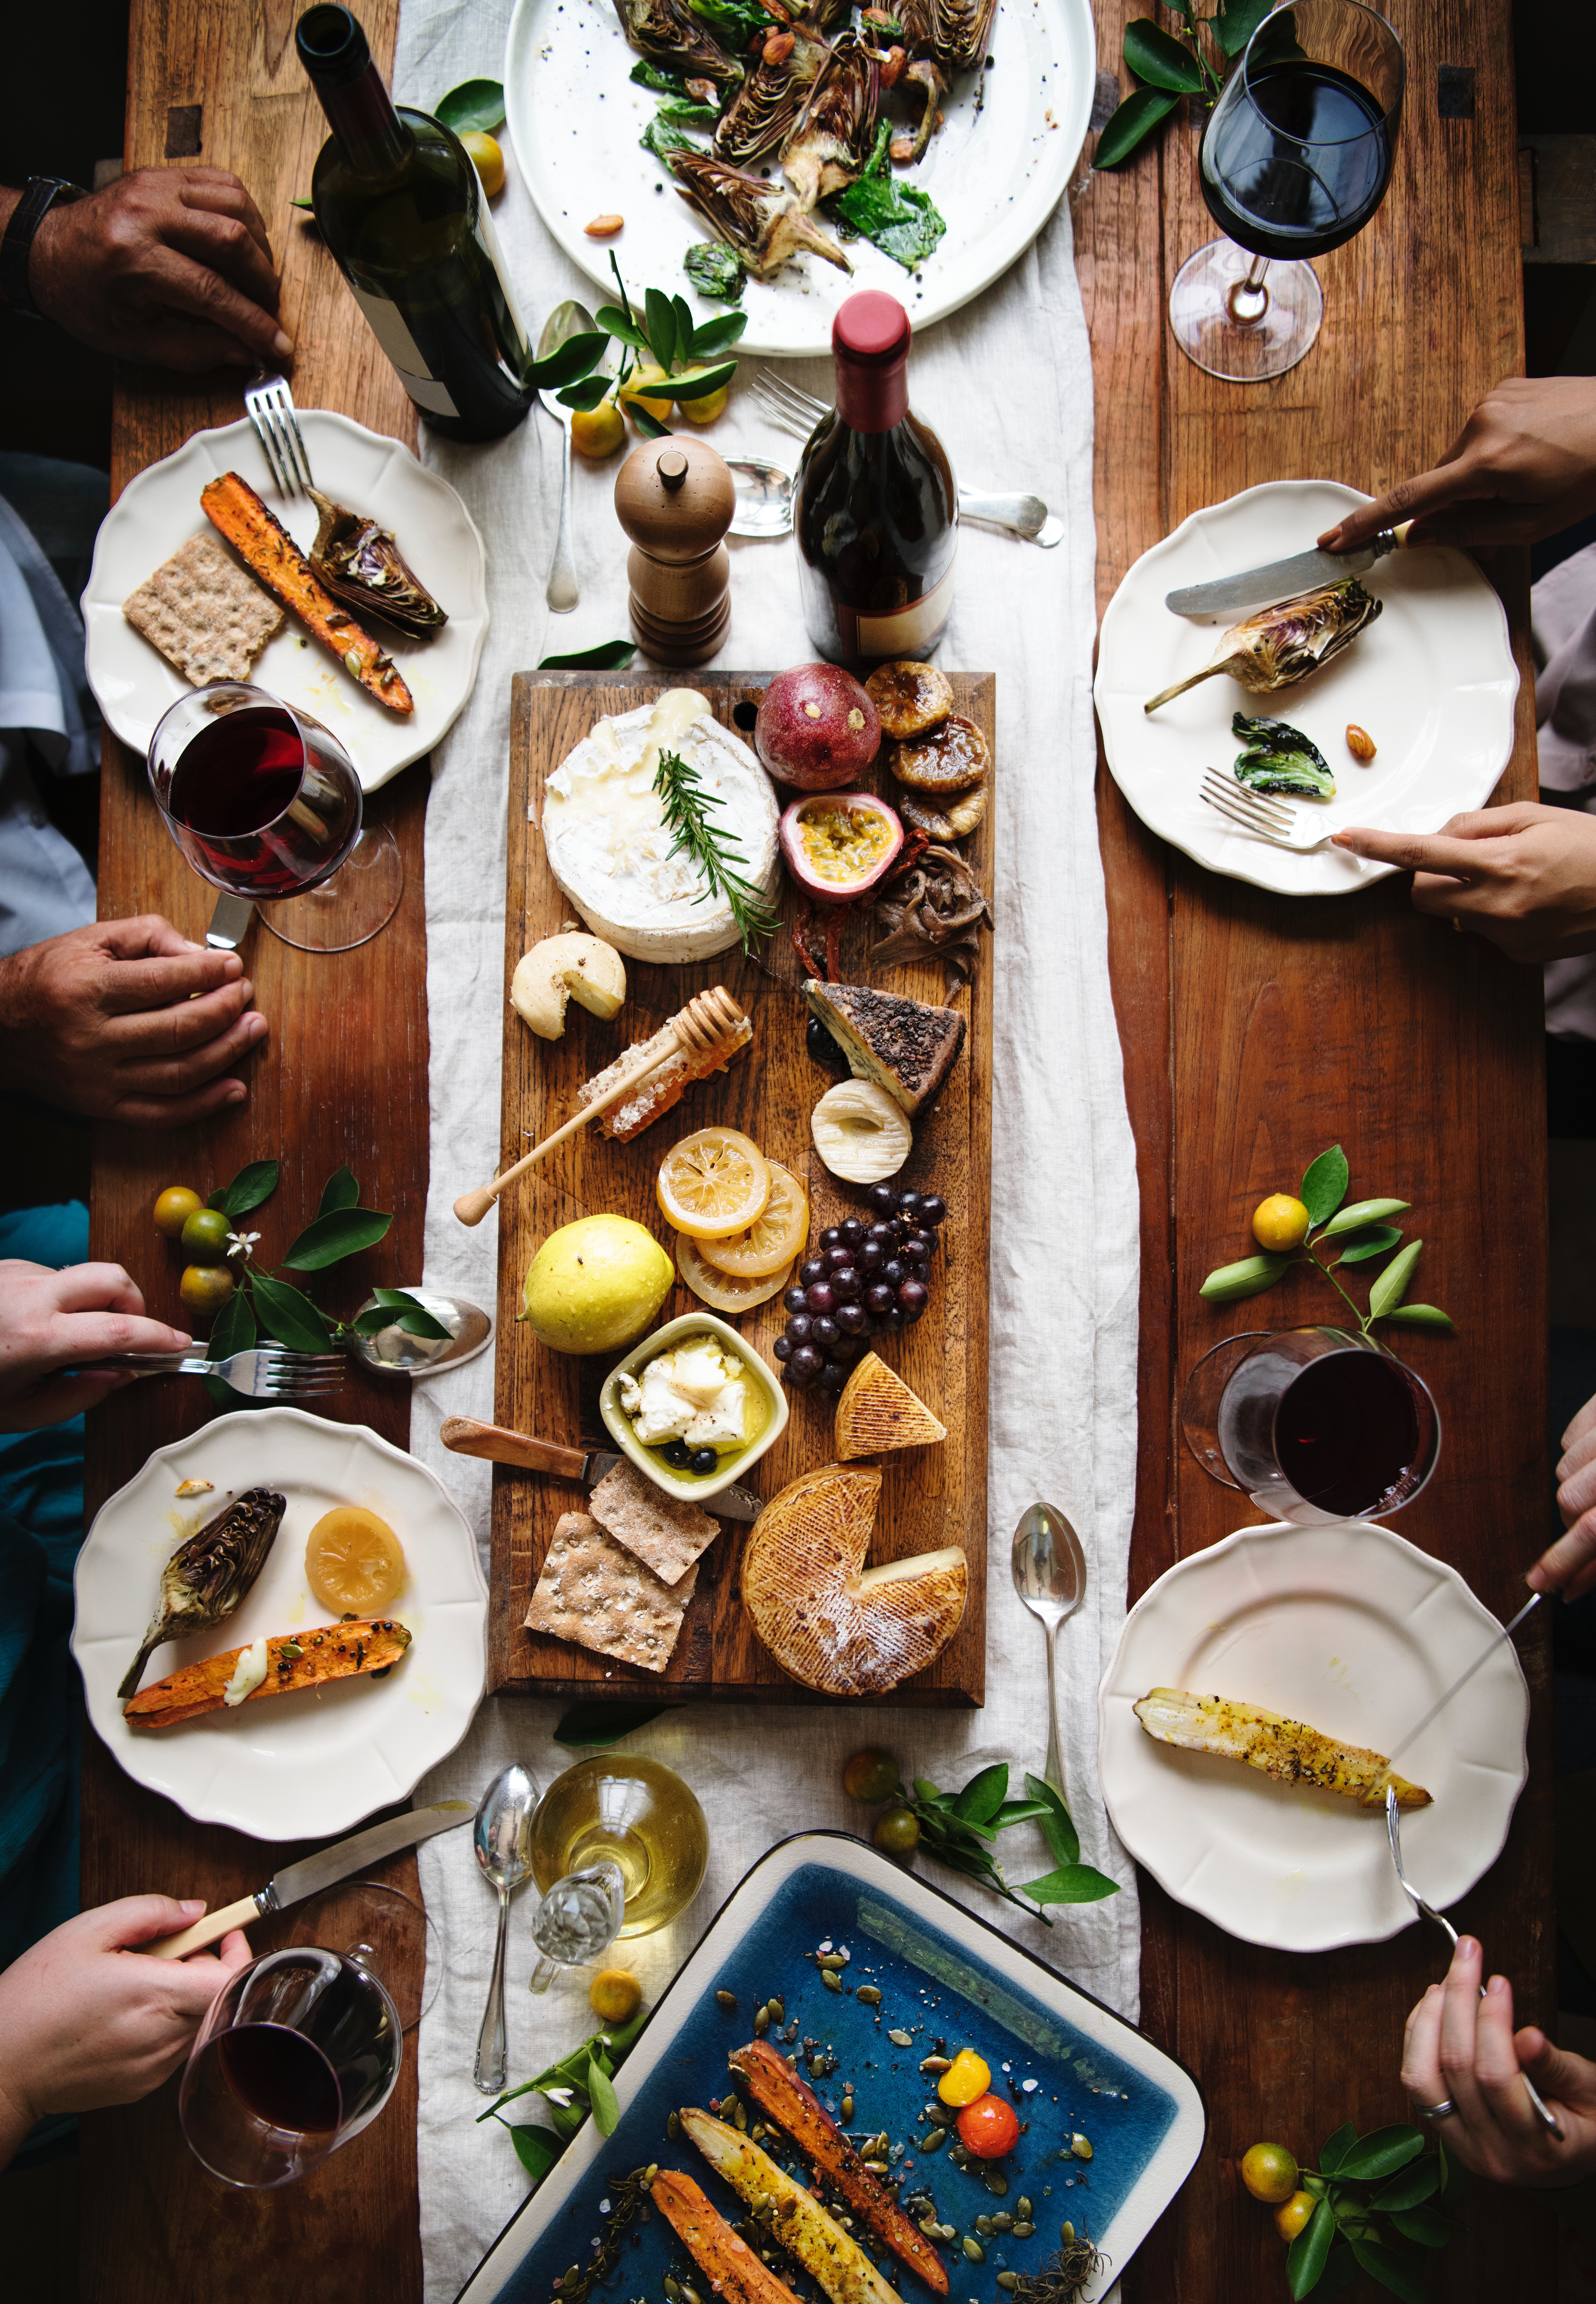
column 273, row 559
column 733, row 2271
column 792, row 2104
column 293, row 1660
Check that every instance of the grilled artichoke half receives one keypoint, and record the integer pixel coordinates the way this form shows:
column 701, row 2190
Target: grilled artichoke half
column 209, row 1574
column 827, row 151
column 1278, row 647
column 361, row 566
column 669, row 35
column 767, row 106
column 763, row 223
column 941, row 36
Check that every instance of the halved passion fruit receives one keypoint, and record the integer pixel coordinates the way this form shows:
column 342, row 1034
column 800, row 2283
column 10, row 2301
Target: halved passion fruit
column 838, row 845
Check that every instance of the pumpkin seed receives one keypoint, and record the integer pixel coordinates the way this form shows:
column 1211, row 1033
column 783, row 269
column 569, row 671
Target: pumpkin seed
column 777, row 2010
column 758, row 2132
column 726, row 1999
column 1003, row 2221
column 930, row 2227
column 946, row 2231
column 817, row 2068
column 995, row 2182
column 877, row 2167
column 943, row 2115
column 829, row 1959
column 1081, row 2146
column 1067, row 2233
column 1008, row 2281
column 651, row 2172
column 1022, row 2207
column 673, row 2289
column 1024, row 2229
column 739, row 2112
column 901, row 2039
column 974, row 2250
column 984, row 2226
column 934, row 2141
column 938, row 2064
column 869, row 1995
column 831, row 1979
column 673, row 2130
column 847, row 2108
column 762, row 2022
column 690, row 2295
column 569, row 2277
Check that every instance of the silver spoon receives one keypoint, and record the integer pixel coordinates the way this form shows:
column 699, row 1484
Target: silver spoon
column 502, row 1838
column 392, row 1352
column 567, row 319
column 1049, row 1575
column 765, row 505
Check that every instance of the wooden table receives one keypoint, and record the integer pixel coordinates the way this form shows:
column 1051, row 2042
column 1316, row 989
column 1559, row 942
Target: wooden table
column 1254, row 1033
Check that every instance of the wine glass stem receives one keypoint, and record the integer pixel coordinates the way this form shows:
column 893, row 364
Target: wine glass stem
column 1248, row 300
column 1054, row 1770
column 489, row 2074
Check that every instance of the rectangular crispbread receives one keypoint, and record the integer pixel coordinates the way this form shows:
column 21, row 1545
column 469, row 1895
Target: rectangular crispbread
column 666, row 1533
column 207, row 614
column 595, row 1592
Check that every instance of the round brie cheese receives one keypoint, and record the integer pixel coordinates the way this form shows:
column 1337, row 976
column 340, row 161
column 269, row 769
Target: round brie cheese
column 615, row 857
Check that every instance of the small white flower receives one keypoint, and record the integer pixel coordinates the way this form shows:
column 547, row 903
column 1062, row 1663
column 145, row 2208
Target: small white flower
column 239, row 1243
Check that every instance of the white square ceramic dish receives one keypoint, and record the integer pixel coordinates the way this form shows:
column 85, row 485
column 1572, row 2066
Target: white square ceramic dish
column 618, row 1424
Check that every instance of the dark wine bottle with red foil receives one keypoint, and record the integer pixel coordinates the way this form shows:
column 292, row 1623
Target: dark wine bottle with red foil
column 876, row 511
column 403, row 211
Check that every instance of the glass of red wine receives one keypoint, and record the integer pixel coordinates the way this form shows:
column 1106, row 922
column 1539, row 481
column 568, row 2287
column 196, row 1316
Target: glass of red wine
column 1295, row 160
column 1314, row 1424
column 265, row 804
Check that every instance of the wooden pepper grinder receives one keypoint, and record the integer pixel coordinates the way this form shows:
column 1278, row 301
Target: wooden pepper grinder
column 675, row 500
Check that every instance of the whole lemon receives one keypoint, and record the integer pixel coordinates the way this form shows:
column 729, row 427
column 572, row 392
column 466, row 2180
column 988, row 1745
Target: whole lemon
column 652, row 373
column 598, row 431
column 614, row 1994
column 706, row 410
column 1295, row 2215
column 594, row 1286
column 487, row 160
column 1280, row 1223
column 1268, row 2171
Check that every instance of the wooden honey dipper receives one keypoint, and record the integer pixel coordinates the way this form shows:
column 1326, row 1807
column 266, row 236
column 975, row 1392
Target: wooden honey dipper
column 707, row 1019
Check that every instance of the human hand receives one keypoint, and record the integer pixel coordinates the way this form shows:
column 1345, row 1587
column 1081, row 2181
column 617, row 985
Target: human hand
column 1524, row 877
column 88, row 2019
column 1523, row 467
column 54, row 1320
column 126, row 1019
column 1462, row 2049
column 168, row 266
column 1568, row 1566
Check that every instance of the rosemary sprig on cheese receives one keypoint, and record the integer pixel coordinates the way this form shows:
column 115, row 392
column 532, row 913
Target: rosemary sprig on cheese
column 685, row 806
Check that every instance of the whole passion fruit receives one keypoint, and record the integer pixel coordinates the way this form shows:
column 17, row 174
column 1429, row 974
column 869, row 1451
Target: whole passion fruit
column 816, row 728
column 838, row 845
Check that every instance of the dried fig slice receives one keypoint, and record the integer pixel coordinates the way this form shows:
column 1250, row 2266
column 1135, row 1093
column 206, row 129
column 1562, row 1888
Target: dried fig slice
column 951, row 758
column 909, row 697
column 966, row 813
column 921, row 815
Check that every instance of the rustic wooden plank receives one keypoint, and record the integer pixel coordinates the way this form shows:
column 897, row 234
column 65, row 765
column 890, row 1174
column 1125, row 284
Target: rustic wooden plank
column 1256, row 1032
column 341, row 1077
column 929, row 1497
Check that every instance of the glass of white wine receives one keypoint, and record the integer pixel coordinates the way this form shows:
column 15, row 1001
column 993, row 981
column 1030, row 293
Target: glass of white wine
column 636, row 1814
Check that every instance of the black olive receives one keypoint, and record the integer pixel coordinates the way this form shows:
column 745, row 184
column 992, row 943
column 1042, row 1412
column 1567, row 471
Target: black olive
column 823, row 1049
column 704, row 1460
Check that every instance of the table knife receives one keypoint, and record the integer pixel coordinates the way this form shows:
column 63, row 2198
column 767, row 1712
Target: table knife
column 467, row 1437
column 311, row 1873
column 1283, row 580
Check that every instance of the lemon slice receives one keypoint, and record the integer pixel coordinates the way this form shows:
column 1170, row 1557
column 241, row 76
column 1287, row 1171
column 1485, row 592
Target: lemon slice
column 775, row 1238
column 714, row 1183
column 720, row 1290
column 353, row 1561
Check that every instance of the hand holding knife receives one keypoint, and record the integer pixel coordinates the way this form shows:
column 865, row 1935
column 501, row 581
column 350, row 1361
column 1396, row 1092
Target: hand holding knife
column 1284, row 580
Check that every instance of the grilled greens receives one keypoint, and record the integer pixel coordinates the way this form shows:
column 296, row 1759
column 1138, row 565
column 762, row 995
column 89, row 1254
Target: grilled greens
column 1279, row 759
column 361, row 566
column 714, row 270
column 903, row 222
column 209, row 1574
column 1278, row 647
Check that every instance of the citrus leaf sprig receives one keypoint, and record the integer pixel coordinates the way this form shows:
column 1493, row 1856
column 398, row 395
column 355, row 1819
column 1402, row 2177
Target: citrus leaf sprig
column 1362, row 1234
column 1362, row 2185
column 686, row 807
column 666, row 334
column 579, row 2083
column 957, row 1829
column 1173, row 65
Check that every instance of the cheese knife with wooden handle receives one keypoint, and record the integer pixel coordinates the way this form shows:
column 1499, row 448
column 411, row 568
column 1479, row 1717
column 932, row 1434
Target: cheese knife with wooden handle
column 468, row 1437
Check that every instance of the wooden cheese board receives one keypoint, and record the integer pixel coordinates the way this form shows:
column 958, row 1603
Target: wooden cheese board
column 930, row 1497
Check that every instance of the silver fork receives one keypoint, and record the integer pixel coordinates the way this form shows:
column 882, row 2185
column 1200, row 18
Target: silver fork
column 267, row 1372
column 269, row 405
column 1428, row 1912
column 1254, row 812
column 798, row 412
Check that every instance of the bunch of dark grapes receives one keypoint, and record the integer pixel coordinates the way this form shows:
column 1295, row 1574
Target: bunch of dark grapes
column 864, row 1279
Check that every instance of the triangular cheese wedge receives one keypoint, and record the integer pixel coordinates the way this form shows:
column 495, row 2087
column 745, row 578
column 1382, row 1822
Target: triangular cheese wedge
column 905, row 1047
column 878, row 1411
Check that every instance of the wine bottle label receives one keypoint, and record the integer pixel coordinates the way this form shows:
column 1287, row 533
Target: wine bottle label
column 489, row 239
column 902, row 631
column 388, row 327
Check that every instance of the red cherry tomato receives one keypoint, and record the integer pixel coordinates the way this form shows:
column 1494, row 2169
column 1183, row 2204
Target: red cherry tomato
column 989, row 2128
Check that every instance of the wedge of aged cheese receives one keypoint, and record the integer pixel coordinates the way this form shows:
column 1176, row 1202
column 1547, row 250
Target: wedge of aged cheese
column 1285, row 1749
column 614, row 854
column 830, row 1622
column 904, row 1046
column 876, row 1411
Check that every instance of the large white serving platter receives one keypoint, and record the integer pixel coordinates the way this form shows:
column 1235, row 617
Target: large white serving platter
column 305, row 1766
column 159, row 510
column 1433, row 680
column 1357, row 1632
column 996, row 172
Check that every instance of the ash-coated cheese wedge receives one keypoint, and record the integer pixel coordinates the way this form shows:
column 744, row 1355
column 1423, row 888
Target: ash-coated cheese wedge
column 613, row 853
column 901, row 1045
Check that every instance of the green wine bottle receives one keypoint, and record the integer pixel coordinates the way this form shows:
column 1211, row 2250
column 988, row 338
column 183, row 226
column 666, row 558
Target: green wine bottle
column 402, row 210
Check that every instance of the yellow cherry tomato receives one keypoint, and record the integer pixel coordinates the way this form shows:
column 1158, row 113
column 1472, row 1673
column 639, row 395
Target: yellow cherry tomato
column 966, row 2079
column 1268, row 2171
column 174, row 1208
column 599, row 432
column 614, row 1994
column 1292, row 2218
column 706, row 410
column 1280, row 1223
column 487, row 159
column 659, row 410
column 206, row 1287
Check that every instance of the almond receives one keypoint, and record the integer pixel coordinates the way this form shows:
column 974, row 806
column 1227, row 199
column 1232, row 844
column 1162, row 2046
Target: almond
column 1359, row 743
column 603, row 227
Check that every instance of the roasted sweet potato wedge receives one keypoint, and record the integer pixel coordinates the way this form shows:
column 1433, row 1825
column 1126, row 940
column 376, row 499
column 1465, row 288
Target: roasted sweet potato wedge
column 293, row 1660
column 793, row 2105
column 800, row 2224
column 735, row 2272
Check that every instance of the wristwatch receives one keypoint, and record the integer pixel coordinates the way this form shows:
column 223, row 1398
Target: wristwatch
column 39, row 196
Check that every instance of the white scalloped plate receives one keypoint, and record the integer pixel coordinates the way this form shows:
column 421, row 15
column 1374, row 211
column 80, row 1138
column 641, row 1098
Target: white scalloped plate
column 305, row 1766
column 1434, row 681
column 159, row 509
column 996, row 172
column 1356, row 1632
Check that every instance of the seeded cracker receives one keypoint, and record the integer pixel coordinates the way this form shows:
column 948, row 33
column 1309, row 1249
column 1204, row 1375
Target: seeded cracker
column 203, row 612
column 666, row 1533
column 592, row 1590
